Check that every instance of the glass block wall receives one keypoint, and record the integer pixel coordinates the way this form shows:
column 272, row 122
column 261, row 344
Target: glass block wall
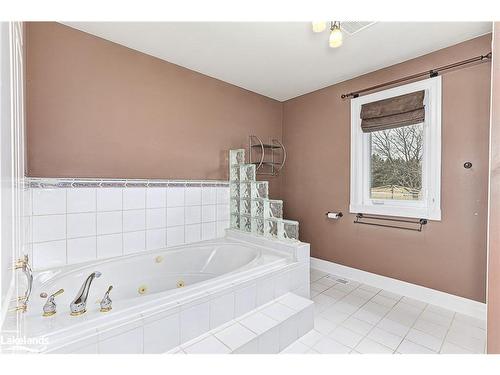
column 251, row 209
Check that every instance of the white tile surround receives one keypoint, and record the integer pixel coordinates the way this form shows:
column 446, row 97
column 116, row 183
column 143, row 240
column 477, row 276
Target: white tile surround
column 165, row 326
column 351, row 317
column 74, row 221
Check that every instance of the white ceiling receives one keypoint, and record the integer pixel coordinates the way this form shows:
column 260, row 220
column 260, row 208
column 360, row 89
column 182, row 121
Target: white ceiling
column 282, row 60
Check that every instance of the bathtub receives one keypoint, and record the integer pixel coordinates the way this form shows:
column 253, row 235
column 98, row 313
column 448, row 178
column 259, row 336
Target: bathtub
column 182, row 292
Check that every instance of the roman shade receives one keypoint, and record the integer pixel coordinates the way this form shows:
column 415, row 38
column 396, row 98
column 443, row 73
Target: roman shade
column 403, row 110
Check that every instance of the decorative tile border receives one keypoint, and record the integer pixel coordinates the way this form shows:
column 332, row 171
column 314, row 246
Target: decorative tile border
column 35, row 182
column 68, row 220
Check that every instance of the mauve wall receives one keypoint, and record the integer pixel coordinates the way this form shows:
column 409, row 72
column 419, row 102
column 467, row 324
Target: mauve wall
column 449, row 255
column 494, row 232
column 98, row 109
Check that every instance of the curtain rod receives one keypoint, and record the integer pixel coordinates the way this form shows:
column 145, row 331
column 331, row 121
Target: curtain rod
column 431, row 73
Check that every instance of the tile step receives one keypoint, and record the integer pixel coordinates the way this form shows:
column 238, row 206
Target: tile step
column 266, row 330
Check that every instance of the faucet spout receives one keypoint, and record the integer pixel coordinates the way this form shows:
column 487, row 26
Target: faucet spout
column 79, row 304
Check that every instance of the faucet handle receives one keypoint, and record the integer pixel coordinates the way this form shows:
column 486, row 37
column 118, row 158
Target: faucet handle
column 106, row 302
column 50, row 306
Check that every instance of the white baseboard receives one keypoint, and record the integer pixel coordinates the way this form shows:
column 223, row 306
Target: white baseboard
column 432, row 296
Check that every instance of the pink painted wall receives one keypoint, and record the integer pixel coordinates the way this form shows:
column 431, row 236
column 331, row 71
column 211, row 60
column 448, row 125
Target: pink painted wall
column 449, row 255
column 99, row 109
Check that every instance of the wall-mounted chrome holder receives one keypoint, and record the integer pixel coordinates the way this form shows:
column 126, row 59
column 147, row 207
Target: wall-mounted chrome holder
column 334, row 215
column 270, row 157
column 420, row 222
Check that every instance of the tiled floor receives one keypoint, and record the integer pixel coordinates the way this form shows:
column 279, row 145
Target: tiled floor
column 356, row 318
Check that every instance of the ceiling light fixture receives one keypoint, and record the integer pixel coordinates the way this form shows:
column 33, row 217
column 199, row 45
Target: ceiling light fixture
column 335, row 39
column 318, row 26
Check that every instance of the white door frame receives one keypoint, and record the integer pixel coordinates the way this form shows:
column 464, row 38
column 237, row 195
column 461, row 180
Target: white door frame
column 13, row 236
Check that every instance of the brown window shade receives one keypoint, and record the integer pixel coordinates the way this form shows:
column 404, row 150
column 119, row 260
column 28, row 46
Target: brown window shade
column 403, row 110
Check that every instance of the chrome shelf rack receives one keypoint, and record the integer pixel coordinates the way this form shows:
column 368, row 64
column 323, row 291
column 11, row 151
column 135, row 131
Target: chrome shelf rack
column 268, row 158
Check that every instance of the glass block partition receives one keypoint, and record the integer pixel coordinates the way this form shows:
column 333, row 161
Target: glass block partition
column 251, row 209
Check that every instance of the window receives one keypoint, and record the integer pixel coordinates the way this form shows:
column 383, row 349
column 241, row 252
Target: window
column 396, row 169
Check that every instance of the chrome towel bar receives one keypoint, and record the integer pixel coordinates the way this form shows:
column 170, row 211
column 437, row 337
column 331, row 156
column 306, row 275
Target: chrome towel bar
column 420, row 222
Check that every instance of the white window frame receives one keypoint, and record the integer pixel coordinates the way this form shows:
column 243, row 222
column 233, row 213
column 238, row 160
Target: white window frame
column 430, row 206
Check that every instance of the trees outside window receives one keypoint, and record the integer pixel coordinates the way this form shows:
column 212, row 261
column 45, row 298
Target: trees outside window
column 396, row 163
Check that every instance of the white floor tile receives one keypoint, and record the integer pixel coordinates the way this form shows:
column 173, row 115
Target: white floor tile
column 449, row 348
column 436, row 318
column 311, row 337
column 408, row 347
column 465, row 341
column 346, row 336
column 335, row 316
column 405, row 318
column 313, row 293
column 394, row 327
column 317, row 287
column 353, row 300
column 470, row 320
column 468, row 330
column 323, row 299
column 421, row 305
column 408, row 308
column 430, row 328
column 371, row 312
column 390, row 295
column 326, row 281
column 367, row 346
column 369, row 288
column 369, row 320
column 345, row 307
column 323, row 325
column 384, row 301
column 363, row 294
column 349, row 287
column 335, row 293
column 424, row 339
column 328, row 346
column 440, row 311
column 358, row 326
column 385, row 338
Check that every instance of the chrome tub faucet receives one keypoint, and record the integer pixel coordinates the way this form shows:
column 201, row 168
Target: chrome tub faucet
column 79, row 304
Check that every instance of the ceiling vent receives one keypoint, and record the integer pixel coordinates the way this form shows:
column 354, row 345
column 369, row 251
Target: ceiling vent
column 353, row 27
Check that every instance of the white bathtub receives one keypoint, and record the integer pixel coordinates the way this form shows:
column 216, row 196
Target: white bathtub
column 222, row 280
